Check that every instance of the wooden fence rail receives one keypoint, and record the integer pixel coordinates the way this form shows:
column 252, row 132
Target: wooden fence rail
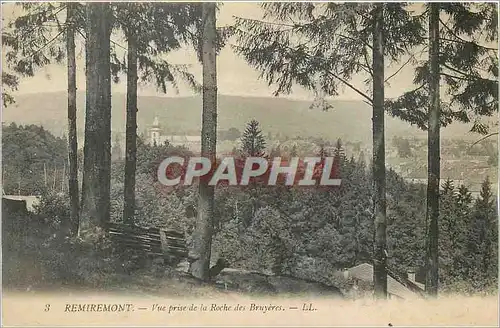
column 166, row 243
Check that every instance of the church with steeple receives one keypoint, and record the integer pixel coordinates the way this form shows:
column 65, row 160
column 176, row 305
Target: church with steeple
column 156, row 137
column 155, row 132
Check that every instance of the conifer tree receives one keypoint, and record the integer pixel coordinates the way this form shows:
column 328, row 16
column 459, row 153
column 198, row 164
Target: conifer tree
column 323, row 153
column 202, row 235
column 341, row 40
column 433, row 153
column 468, row 46
column 151, row 30
column 71, row 27
column 339, row 152
column 469, row 66
column 482, row 246
column 97, row 147
column 463, row 215
column 39, row 37
column 447, row 224
column 253, row 142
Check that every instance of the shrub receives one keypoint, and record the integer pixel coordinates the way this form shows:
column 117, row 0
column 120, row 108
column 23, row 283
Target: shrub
column 471, row 287
column 53, row 210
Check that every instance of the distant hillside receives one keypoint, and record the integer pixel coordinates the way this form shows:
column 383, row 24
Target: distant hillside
column 349, row 120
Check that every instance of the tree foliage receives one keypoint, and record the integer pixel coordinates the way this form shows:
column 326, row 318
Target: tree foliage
column 320, row 46
column 402, row 146
column 469, row 67
column 253, row 142
column 301, row 231
column 9, row 81
column 36, row 38
column 28, row 152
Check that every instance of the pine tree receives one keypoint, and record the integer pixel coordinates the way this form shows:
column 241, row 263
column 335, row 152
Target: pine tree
column 378, row 133
column 463, row 215
column 323, row 153
column 71, row 25
column 35, row 39
column 433, row 153
column 151, row 30
column 482, row 243
column 339, row 152
column 253, row 143
column 132, row 32
column 470, row 62
column 448, row 228
column 361, row 159
column 468, row 49
column 202, row 235
column 97, row 146
column 339, row 47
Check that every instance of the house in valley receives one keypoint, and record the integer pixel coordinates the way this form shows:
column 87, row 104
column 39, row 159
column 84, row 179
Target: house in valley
column 398, row 287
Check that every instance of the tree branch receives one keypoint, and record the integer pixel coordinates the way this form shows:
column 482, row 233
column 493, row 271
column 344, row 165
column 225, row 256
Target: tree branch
column 43, row 47
column 30, row 14
column 113, row 42
column 398, row 70
column 467, row 77
column 361, row 93
column 296, row 26
column 464, row 42
column 483, row 138
column 368, row 69
column 461, row 40
column 456, row 77
column 412, row 57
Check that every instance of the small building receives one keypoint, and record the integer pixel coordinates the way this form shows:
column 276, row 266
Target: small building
column 28, row 202
column 397, row 287
column 16, row 214
column 156, row 137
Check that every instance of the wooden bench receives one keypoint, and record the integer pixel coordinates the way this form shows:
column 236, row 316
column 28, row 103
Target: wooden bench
column 169, row 245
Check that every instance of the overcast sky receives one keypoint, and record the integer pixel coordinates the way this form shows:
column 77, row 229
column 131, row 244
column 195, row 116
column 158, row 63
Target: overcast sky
column 235, row 77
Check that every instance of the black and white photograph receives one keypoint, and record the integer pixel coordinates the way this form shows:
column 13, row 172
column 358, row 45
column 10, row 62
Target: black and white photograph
column 249, row 163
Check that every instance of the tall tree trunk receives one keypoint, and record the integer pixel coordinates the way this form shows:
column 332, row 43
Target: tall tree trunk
column 97, row 146
column 131, row 129
column 202, row 237
column 72, row 132
column 105, row 82
column 433, row 157
column 380, row 255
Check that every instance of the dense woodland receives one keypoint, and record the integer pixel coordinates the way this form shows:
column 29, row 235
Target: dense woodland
column 374, row 216
column 281, row 230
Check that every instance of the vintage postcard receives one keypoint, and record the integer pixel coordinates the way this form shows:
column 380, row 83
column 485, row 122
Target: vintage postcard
column 249, row 163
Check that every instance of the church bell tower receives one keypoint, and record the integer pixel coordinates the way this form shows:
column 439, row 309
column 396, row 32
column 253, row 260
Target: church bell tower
column 155, row 132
